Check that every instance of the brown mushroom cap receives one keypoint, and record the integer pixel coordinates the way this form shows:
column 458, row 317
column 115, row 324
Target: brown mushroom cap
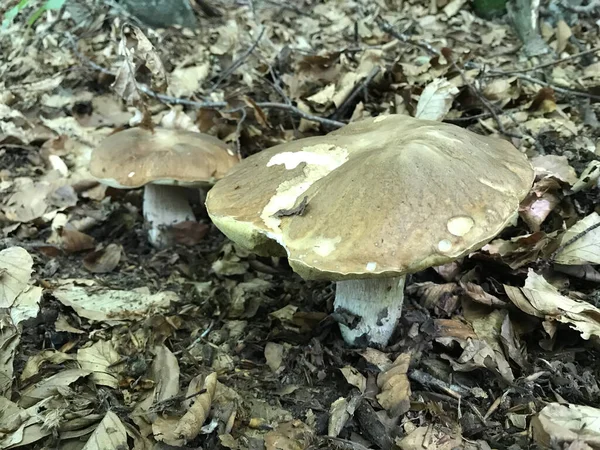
column 135, row 157
column 382, row 197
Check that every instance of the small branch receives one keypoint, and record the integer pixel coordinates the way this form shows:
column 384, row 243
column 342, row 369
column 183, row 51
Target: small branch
column 550, row 64
column 237, row 63
column 562, row 90
column 388, row 28
column 484, row 101
column 355, row 92
column 330, row 123
column 575, row 238
column 586, row 9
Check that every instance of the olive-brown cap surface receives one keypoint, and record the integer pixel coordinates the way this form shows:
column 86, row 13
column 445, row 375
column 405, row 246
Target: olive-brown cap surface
column 381, row 197
column 135, row 157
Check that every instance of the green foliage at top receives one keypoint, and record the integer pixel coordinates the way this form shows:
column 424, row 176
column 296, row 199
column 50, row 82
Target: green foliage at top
column 13, row 12
column 488, row 9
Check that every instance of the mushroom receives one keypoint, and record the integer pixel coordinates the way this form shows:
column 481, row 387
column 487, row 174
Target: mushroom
column 164, row 161
column 369, row 203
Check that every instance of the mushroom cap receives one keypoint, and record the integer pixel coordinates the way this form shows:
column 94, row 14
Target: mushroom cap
column 135, row 157
column 381, row 197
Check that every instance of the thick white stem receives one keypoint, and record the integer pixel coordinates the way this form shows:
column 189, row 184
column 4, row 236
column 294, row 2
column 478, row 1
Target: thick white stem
column 371, row 308
column 164, row 206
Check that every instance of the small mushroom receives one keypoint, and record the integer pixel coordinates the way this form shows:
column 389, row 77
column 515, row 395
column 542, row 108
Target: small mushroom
column 165, row 162
column 369, row 203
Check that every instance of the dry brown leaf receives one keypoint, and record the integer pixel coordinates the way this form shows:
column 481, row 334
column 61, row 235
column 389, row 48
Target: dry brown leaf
column 35, row 362
column 540, row 299
column 558, row 424
column 436, row 100
column 586, row 249
column 441, row 298
column 50, row 386
column 104, row 260
column 190, row 424
column 113, row 304
column 340, row 412
column 16, row 266
column 556, row 166
column 355, row 378
column 294, row 435
column 274, row 356
column 395, row 387
column 430, row 438
column 99, row 359
column 110, row 434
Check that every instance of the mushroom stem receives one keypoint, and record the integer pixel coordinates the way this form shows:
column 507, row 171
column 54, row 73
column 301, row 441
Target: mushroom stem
column 164, row 206
column 372, row 308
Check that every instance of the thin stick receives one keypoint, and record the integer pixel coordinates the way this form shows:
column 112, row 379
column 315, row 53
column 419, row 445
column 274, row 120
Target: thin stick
column 575, row 238
column 237, row 63
column 562, row 90
column 387, row 27
column 215, row 105
column 356, row 91
column 549, row 64
column 484, row 101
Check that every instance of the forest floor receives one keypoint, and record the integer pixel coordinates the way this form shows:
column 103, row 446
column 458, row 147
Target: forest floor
column 106, row 342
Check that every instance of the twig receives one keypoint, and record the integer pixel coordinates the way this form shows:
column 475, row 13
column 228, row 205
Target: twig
column 575, row 238
column 238, row 62
column 216, row 105
column 562, row 90
column 429, row 381
column 355, row 92
column 549, row 64
column 484, row 101
column 387, row 27
column 586, row 9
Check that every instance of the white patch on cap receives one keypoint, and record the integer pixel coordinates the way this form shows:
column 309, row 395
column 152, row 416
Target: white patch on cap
column 325, row 155
column 326, row 246
column 380, row 118
column 371, row 266
column 130, row 174
column 320, row 159
column 444, row 245
column 460, row 225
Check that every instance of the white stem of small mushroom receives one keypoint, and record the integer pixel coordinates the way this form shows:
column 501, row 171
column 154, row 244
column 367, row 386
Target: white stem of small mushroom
column 164, row 206
column 376, row 305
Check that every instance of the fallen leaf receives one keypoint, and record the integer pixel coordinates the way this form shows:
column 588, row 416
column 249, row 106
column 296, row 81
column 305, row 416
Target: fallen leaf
column 355, row 378
column 110, row 434
column 104, row 260
column 395, row 387
column 99, row 359
column 16, row 266
column 190, row 424
column 586, row 249
column 50, row 386
column 35, row 362
column 540, row 299
column 294, row 435
column 558, row 424
column 274, row 356
column 340, row 412
column 436, row 100
column 112, row 304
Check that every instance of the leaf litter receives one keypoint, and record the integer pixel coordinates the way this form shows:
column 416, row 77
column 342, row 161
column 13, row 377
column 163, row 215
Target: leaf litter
column 108, row 343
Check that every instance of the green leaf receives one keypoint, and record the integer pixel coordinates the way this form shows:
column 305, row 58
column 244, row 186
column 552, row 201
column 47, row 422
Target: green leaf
column 35, row 16
column 54, row 4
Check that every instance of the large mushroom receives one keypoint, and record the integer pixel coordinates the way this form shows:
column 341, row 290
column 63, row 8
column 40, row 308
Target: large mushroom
column 369, row 203
column 165, row 162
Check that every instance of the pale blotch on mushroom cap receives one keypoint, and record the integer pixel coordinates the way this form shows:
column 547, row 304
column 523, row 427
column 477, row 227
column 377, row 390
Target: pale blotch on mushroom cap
column 384, row 196
column 135, row 157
